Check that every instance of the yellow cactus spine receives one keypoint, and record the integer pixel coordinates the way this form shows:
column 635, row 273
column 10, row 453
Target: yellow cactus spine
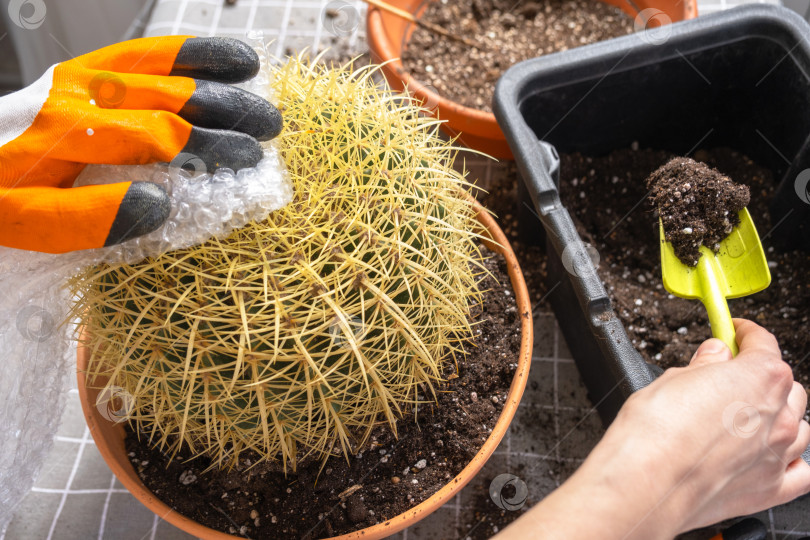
column 294, row 337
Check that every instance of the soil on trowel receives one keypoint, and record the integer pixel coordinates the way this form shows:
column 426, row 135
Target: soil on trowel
column 435, row 443
column 698, row 206
column 506, row 32
column 607, row 197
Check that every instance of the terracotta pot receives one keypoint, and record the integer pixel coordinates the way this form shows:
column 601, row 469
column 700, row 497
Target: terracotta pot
column 387, row 35
column 109, row 436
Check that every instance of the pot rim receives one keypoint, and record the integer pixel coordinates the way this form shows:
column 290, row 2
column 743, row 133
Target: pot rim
column 381, row 48
column 381, row 45
column 120, row 465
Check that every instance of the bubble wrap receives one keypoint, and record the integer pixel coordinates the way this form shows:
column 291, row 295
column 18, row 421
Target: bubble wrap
column 36, row 337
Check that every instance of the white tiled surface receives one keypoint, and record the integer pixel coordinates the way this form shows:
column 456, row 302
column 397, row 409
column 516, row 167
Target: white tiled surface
column 76, row 496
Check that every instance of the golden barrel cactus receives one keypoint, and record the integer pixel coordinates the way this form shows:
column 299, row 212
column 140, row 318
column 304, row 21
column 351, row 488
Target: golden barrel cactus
column 295, row 336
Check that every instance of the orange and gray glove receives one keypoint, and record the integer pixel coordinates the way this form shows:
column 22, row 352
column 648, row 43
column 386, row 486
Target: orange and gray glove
column 141, row 101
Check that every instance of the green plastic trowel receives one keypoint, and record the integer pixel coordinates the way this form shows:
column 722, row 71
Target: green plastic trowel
column 738, row 269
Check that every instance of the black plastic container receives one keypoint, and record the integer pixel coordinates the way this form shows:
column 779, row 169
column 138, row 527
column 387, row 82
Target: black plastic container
column 738, row 78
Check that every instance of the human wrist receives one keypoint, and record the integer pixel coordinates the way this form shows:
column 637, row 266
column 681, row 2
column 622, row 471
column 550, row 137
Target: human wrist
column 645, row 488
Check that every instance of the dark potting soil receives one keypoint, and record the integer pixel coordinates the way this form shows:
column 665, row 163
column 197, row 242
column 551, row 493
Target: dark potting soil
column 378, row 484
column 608, row 200
column 507, row 32
column 698, row 206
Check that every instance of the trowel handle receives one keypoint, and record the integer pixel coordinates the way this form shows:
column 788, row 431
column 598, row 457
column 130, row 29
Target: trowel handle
column 717, row 306
column 722, row 325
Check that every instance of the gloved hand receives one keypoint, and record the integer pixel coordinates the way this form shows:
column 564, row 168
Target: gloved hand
column 135, row 102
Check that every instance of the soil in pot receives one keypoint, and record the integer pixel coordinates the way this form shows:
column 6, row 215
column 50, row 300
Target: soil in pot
column 507, row 33
column 667, row 330
column 386, row 480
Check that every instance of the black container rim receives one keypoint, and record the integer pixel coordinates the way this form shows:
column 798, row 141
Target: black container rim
column 766, row 21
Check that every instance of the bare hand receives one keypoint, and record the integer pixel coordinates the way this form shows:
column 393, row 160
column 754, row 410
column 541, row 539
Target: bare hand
column 717, row 439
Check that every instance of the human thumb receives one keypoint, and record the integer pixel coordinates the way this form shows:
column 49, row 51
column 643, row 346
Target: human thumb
column 711, row 351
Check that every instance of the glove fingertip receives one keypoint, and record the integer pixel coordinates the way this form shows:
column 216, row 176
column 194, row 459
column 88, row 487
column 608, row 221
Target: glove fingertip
column 226, row 60
column 222, row 148
column 215, row 105
column 272, row 123
column 144, row 208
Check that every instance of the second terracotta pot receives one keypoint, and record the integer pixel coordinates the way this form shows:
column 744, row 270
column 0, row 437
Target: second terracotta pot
column 109, row 435
column 388, row 34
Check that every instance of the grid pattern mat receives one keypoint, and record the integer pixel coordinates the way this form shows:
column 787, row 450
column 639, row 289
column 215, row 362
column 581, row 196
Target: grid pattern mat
column 77, row 497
